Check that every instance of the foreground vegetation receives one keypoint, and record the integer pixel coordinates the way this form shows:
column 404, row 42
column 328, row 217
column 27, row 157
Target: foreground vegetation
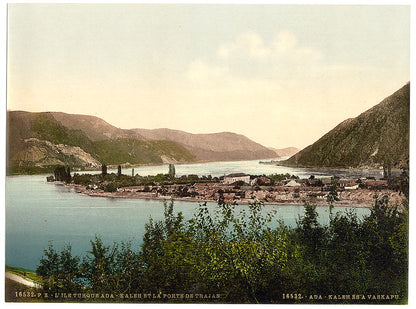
column 235, row 256
column 110, row 182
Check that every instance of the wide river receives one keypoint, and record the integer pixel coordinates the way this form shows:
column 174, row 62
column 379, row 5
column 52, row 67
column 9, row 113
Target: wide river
column 38, row 212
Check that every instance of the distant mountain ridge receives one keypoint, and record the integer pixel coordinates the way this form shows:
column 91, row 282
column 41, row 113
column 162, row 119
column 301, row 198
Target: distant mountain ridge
column 53, row 138
column 96, row 129
column 285, row 152
column 40, row 140
column 213, row 146
column 377, row 137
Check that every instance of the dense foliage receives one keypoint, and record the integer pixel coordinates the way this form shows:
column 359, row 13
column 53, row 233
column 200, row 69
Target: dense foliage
column 62, row 174
column 122, row 180
column 275, row 178
column 30, row 170
column 242, row 256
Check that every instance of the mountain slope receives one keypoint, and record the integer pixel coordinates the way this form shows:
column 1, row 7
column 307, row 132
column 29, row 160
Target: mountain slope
column 96, row 129
column 38, row 139
column 23, row 125
column 44, row 153
column 134, row 151
column 285, row 152
column 212, row 147
column 377, row 137
column 50, row 138
column 204, row 147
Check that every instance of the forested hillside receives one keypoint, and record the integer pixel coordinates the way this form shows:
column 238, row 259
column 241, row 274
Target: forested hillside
column 377, row 137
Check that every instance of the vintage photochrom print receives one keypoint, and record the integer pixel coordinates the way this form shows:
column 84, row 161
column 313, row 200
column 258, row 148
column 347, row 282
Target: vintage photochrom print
column 207, row 153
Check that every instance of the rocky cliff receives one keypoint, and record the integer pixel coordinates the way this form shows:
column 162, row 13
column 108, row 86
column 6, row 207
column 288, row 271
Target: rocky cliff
column 40, row 153
column 40, row 140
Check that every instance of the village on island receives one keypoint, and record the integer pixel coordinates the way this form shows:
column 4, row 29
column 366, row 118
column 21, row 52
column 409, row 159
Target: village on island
column 235, row 188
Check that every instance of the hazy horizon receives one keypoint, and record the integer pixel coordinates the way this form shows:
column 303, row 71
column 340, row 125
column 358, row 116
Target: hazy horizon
column 282, row 75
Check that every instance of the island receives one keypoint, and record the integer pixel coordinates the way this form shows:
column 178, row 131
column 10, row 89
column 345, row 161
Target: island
column 236, row 188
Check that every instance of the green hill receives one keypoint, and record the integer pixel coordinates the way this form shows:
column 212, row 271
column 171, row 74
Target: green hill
column 37, row 142
column 135, row 151
column 43, row 126
column 377, row 137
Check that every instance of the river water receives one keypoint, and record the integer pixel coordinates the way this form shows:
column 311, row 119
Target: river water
column 38, row 212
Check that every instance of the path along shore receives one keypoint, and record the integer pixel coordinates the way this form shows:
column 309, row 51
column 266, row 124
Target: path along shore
column 22, row 280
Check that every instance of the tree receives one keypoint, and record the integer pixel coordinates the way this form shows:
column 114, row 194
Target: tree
column 68, row 175
column 103, row 169
column 59, row 270
column 332, row 195
column 62, row 174
column 110, row 187
column 159, row 178
column 234, row 252
column 171, row 171
column 97, row 267
column 385, row 234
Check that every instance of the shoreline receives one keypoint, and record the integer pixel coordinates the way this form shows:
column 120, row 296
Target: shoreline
column 274, row 161
column 353, row 203
column 340, row 168
column 124, row 166
column 21, row 280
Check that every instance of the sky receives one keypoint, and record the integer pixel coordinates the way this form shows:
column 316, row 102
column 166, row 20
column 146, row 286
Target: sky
column 282, row 75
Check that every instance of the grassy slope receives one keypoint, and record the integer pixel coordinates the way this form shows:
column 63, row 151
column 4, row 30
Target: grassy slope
column 135, row 151
column 23, row 125
column 47, row 128
column 24, row 273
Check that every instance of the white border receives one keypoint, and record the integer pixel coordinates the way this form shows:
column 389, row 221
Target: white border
column 3, row 38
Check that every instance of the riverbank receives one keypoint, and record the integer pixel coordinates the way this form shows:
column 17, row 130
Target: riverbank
column 22, row 276
column 394, row 171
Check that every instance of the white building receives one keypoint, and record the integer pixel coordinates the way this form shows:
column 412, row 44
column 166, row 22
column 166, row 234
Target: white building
column 231, row 178
column 351, row 186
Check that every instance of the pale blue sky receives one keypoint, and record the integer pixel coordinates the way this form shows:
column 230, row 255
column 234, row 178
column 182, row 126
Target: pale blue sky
column 281, row 75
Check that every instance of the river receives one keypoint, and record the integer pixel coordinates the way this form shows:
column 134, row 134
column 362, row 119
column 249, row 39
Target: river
column 38, row 212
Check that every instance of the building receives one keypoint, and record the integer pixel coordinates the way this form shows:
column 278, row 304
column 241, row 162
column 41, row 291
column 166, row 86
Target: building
column 351, row 186
column 232, row 178
column 262, row 180
column 376, row 184
column 292, row 183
